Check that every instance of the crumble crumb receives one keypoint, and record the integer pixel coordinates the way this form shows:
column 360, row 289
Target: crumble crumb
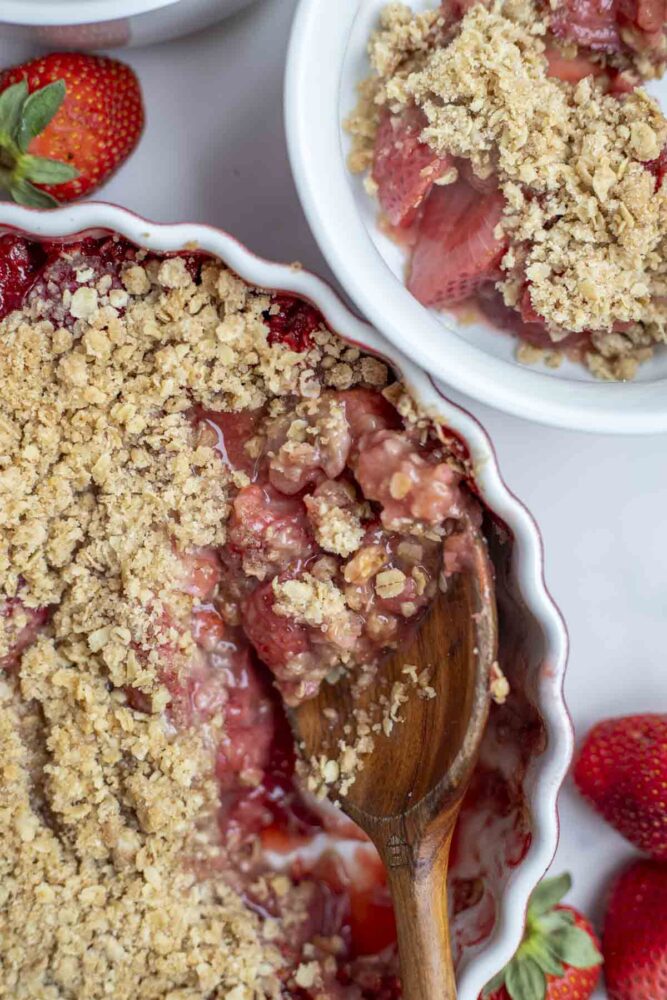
column 500, row 687
column 338, row 529
column 310, row 602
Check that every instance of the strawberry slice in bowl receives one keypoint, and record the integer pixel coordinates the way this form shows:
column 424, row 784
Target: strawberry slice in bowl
column 404, row 167
column 457, row 250
column 612, row 26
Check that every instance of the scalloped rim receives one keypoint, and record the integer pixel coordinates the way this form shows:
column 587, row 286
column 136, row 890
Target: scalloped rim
column 528, row 557
column 318, row 54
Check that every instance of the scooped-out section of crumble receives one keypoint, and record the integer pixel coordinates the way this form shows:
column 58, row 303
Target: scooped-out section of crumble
column 523, row 174
column 209, row 505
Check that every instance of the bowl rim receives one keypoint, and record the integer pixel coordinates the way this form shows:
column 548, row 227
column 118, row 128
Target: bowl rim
column 528, row 554
column 317, row 54
column 51, row 13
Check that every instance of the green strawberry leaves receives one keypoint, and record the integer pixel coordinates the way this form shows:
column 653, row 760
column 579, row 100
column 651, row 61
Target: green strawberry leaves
column 11, row 104
column 25, row 193
column 551, row 942
column 37, row 111
column 42, row 170
column 525, row 979
column 548, row 893
column 575, row 947
column 22, row 117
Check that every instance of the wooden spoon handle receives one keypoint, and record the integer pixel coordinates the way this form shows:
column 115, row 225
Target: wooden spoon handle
column 422, row 921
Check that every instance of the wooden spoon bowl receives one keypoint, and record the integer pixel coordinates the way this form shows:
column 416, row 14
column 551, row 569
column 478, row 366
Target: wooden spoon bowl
column 409, row 792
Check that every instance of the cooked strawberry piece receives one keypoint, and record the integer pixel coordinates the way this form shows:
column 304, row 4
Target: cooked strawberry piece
column 526, row 324
column 201, row 572
column 369, row 411
column 457, row 248
column 23, row 625
column 486, row 185
column 321, row 452
column 208, row 627
column 268, row 530
column 591, row 23
column 276, row 639
column 391, row 471
column 648, row 16
column 292, row 322
column 21, row 263
column 454, row 10
column 571, row 70
column 404, row 167
column 249, row 727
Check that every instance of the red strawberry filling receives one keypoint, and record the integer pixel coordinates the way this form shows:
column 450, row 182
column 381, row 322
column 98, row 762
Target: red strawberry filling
column 21, row 626
column 610, row 26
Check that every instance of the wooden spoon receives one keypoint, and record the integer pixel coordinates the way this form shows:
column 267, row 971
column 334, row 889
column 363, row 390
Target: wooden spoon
column 408, row 795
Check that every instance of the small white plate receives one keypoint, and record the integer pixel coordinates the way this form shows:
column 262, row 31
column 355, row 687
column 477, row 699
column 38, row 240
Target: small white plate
column 326, row 61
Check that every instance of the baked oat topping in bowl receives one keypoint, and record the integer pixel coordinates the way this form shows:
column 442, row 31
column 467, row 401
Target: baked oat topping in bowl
column 451, row 201
column 184, row 534
column 524, row 175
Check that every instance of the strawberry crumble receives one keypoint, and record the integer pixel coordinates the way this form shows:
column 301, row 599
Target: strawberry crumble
column 209, row 506
column 513, row 153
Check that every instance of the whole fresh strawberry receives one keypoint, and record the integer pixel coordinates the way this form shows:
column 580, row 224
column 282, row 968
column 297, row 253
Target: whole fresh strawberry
column 634, row 942
column 622, row 771
column 558, row 958
column 67, row 122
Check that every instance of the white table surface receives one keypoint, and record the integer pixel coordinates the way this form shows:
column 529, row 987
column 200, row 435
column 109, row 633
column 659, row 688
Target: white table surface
column 214, row 151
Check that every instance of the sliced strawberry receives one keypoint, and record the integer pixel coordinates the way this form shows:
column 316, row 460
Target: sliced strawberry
column 404, row 167
column 457, row 250
column 592, row 23
column 570, row 70
column 527, row 323
column 647, row 15
column 486, row 185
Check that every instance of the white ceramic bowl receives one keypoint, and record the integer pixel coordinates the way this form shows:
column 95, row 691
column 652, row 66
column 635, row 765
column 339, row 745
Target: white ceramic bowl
column 96, row 24
column 327, row 59
column 508, row 831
